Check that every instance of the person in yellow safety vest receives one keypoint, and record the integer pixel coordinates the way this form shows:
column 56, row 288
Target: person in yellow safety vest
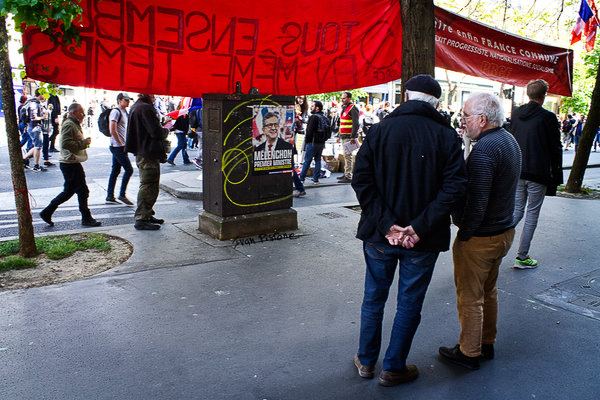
column 348, row 133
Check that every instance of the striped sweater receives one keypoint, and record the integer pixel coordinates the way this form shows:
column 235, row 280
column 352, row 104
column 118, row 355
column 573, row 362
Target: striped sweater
column 493, row 168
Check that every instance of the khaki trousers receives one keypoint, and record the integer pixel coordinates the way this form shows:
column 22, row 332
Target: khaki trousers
column 348, row 167
column 476, row 264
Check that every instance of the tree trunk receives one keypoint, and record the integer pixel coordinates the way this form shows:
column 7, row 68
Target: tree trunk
column 26, row 238
column 418, row 39
column 585, row 143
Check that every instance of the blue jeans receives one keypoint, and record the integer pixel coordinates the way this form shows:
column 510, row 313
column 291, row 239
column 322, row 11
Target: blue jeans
column 577, row 138
column 414, row 275
column 25, row 138
column 297, row 182
column 119, row 159
column 596, row 140
column 181, row 146
column 313, row 150
column 45, row 144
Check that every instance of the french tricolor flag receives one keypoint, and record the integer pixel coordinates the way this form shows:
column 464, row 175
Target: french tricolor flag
column 586, row 24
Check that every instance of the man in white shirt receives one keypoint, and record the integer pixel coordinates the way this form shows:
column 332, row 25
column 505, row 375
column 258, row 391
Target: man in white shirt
column 118, row 131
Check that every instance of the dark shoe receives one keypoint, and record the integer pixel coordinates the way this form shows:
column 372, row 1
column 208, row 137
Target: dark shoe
column 345, row 180
column 46, row 217
column 157, row 220
column 364, row 372
column 49, row 164
column 125, row 200
column 37, row 168
column 487, row 351
column 389, row 378
column 146, row 226
column 26, row 163
column 341, row 177
column 171, row 162
column 91, row 222
column 455, row 356
column 111, row 200
column 299, row 193
column 187, row 163
column 54, row 150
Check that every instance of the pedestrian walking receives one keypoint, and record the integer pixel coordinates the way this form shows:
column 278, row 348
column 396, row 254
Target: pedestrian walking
column 538, row 133
column 318, row 132
column 180, row 128
column 72, row 153
column 117, row 126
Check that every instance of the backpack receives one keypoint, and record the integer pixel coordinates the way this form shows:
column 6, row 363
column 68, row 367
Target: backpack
column 196, row 119
column 24, row 113
column 104, row 122
column 567, row 126
column 323, row 132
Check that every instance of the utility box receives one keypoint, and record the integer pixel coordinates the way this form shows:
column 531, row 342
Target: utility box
column 247, row 183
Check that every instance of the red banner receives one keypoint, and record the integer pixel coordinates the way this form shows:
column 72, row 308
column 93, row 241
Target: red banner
column 190, row 47
column 466, row 46
column 187, row 48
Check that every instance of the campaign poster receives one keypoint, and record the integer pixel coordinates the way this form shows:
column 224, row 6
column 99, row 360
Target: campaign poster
column 273, row 137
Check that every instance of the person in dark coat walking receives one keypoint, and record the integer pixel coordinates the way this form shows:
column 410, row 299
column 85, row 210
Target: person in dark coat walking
column 538, row 133
column 409, row 174
column 145, row 139
column 317, row 133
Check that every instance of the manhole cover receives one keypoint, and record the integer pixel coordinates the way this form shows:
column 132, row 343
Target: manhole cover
column 332, row 215
column 580, row 295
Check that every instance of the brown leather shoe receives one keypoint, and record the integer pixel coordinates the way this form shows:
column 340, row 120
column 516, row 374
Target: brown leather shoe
column 389, row 378
column 364, row 372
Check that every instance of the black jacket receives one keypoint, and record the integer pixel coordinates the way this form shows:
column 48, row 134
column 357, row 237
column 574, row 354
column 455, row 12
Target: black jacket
column 144, row 133
column 311, row 128
column 410, row 170
column 538, row 133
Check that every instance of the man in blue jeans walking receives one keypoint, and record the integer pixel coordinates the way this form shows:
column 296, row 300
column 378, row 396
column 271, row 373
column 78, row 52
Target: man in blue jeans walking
column 317, row 133
column 408, row 176
column 117, row 126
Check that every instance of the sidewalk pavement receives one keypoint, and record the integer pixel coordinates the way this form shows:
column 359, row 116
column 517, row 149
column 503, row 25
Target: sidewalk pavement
column 190, row 317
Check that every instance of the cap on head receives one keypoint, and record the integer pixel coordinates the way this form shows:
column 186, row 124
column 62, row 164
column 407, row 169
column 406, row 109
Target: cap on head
column 123, row 96
column 424, row 84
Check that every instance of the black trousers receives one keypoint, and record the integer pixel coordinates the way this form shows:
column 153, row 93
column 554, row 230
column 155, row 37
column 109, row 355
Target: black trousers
column 74, row 184
column 55, row 132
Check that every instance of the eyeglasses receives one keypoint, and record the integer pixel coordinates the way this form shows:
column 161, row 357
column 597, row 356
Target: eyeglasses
column 272, row 125
column 466, row 117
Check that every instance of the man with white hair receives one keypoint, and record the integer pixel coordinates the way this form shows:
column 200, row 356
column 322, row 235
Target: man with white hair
column 409, row 174
column 486, row 229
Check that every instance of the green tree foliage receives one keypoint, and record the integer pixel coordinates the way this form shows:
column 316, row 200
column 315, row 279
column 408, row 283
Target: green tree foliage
column 58, row 19
column 336, row 96
column 584, row 76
